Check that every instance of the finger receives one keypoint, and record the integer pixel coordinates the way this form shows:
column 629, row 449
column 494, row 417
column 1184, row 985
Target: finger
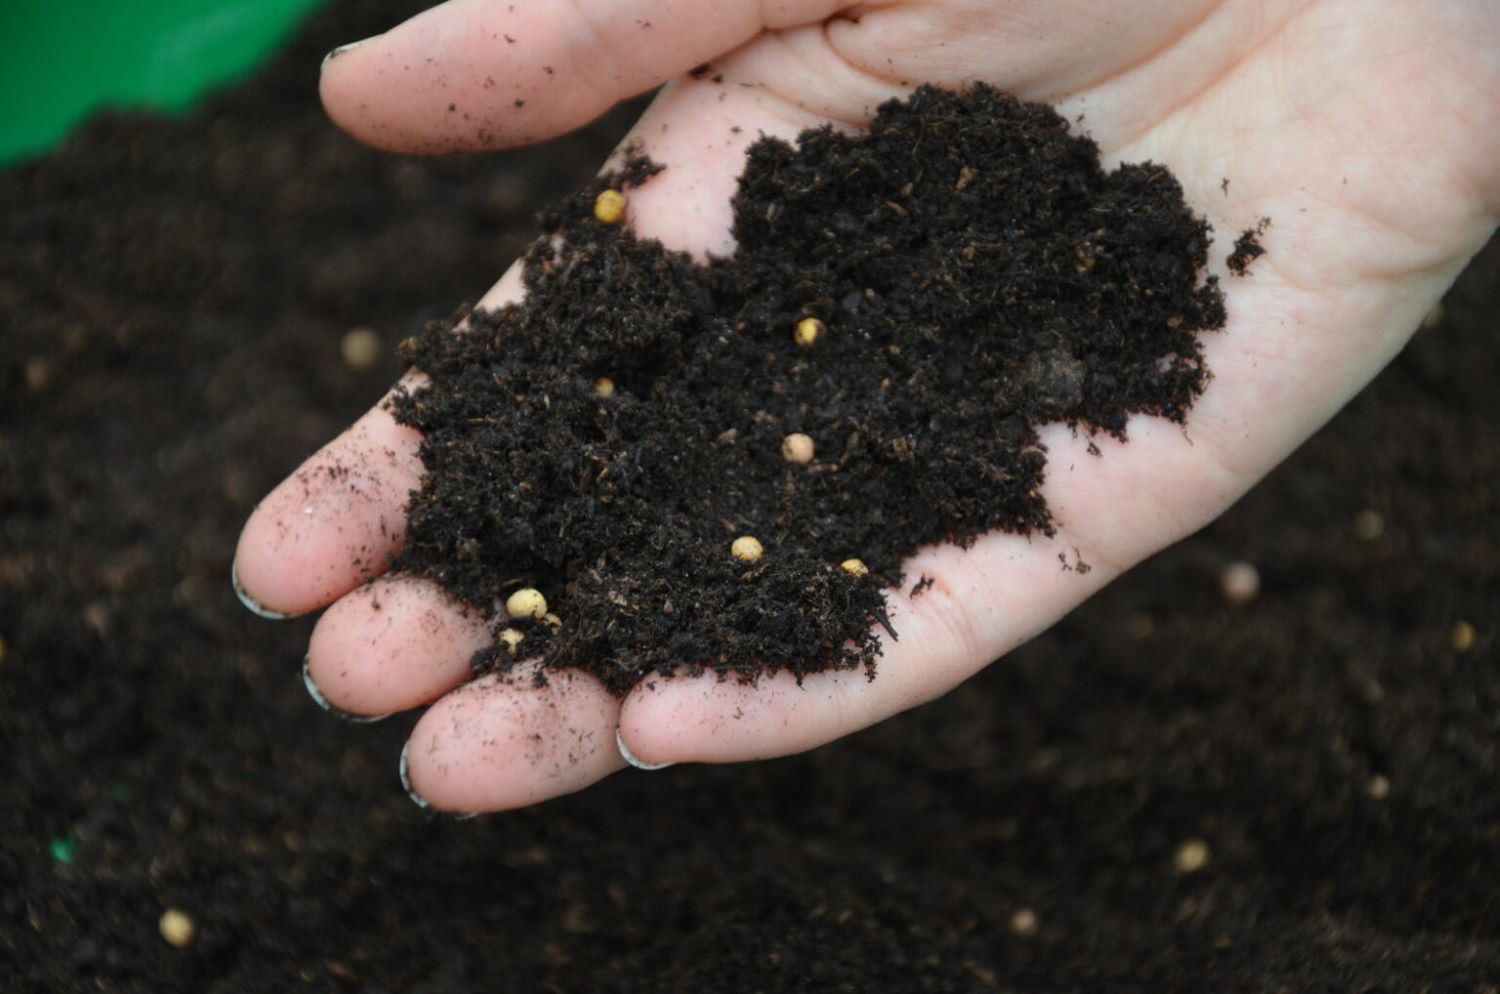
column 334, row 523
column 393, row 644
column 476, row 74
column 506, row 741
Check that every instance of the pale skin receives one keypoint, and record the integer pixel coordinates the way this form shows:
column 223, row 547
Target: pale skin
column 1367, row 131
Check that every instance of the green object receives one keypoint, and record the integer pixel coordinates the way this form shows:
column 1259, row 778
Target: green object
column 63, row 850
column 64, row 60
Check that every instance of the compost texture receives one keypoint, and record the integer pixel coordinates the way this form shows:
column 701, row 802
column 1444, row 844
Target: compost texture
column 963, row 273
column 174, row 295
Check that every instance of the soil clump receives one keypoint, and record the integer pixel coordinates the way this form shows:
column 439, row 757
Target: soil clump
column 960, row 275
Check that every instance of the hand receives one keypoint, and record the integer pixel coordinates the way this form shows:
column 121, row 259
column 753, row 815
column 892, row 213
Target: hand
column 1368, row 132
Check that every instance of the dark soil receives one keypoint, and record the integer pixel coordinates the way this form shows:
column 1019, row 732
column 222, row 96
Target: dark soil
column 977, row 275
column 173, row 295
column 1247, row 248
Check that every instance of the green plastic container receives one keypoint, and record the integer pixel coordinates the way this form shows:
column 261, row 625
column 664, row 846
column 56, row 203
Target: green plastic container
column 63, row 60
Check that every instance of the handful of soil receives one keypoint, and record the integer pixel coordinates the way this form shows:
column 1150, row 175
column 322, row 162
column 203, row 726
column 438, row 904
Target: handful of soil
column 864, row 376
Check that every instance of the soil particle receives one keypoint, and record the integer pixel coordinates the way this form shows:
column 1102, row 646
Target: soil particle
column 960, row 275
column 1247, row 248
column 1369, row 525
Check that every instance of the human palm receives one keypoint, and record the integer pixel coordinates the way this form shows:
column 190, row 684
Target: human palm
column 1365, row 130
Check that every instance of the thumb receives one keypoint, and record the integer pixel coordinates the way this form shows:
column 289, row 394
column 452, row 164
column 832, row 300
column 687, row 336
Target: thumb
column 469, row 75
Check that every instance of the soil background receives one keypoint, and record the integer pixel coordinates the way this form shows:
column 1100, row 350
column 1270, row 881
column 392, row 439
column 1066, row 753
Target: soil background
column 172, row 297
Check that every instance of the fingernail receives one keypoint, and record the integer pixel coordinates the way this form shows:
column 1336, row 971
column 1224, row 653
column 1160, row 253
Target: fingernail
column 249, row 602
column 417, row 798
column 327, row 705
column 630, row 757
column 406, row 780
column 340, row 51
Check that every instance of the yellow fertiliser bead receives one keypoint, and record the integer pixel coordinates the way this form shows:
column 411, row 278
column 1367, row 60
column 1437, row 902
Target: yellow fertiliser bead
column 511, row 638
column 747, row 547
column 604, row 387
column 177, row 928
column 855, row 567
column 609, row 207
column 1192, row 856
column 1239, row 582
column 798, row 448
column 526, row 603
column 808, row 330
column 360, row 348
column 1023, row 921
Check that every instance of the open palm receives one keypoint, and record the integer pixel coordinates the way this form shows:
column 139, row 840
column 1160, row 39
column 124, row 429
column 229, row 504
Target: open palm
column 1367, row 131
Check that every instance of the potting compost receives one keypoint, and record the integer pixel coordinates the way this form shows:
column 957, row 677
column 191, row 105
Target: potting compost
column 1167, row 792
column 909, row 305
